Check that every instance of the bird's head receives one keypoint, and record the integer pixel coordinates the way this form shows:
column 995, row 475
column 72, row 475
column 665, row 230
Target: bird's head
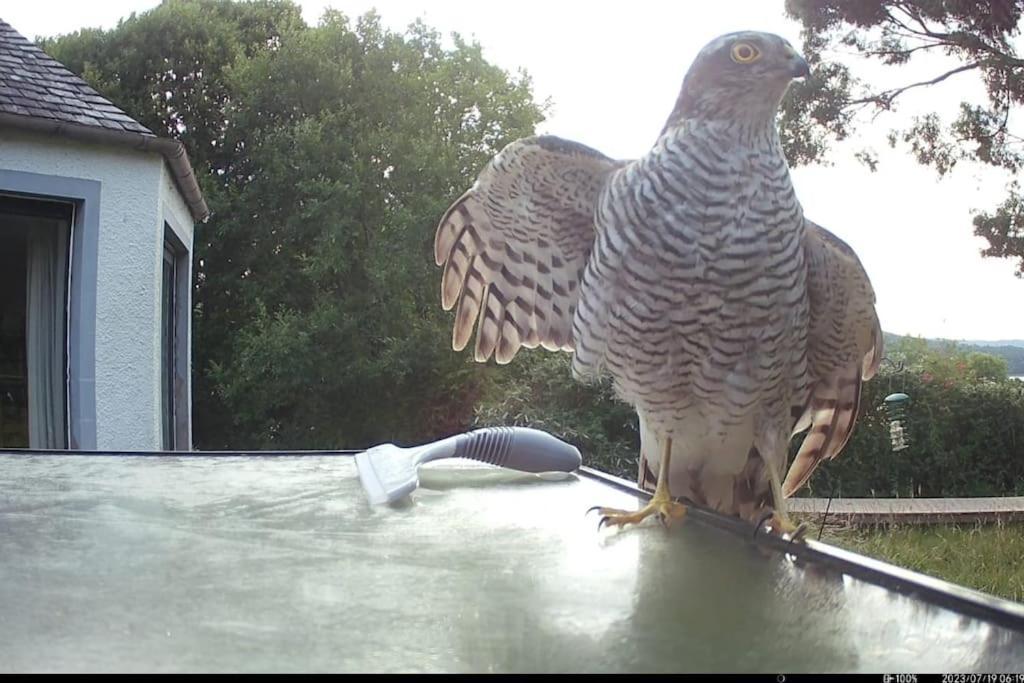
column 739, row 76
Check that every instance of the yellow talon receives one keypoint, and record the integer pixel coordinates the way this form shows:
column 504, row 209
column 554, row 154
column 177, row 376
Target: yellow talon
column 781, row 525
column 665, row 510
column 660, row 505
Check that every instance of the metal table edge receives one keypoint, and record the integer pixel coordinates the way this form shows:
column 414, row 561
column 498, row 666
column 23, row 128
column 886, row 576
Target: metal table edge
column 970, row 602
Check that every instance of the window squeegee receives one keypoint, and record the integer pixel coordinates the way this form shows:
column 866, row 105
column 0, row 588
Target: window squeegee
column 389, row 472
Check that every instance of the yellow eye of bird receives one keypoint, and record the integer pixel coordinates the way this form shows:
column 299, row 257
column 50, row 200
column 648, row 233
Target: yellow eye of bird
column 745, row 53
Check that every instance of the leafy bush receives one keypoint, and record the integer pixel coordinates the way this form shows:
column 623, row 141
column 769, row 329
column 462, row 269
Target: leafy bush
column 965, row 438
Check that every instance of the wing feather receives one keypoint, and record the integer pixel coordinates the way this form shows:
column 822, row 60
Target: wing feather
column 514, row 246
column 844, row 349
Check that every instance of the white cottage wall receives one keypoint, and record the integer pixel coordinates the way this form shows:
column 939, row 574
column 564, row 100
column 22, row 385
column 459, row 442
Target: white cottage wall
column 134, row 198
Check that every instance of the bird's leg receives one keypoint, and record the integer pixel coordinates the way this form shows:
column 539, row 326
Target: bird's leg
column 781, row 524
column 661, row 503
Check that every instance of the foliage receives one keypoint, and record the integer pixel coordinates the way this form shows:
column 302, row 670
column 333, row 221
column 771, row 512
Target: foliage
column 168, row 66
column 956, row 37
column 327, row 155
column 965, row 426
column 1013, row 355
column 943, row 360
column 1010, row 354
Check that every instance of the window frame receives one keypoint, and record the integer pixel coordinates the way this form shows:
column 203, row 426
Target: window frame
column 175, row 390
column 83, row 255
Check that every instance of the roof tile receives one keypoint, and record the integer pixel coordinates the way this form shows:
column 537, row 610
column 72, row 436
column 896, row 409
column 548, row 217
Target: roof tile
column 34, row 84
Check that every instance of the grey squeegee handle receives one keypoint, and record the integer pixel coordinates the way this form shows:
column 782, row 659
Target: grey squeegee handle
column 518, row 448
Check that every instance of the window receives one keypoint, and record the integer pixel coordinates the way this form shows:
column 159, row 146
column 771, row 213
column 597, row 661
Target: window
column 34, row 245
column 174, row 345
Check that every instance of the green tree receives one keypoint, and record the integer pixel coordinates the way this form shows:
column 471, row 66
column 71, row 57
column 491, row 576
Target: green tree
column 358, row 139
column 959, row 37
column 983, row 366
column 167, row 67
column 327, row 154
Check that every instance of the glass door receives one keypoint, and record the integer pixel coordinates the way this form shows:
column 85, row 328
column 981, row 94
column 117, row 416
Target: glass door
column 34, row 239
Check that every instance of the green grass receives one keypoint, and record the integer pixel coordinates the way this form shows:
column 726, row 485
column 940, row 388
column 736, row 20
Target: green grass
column 986, row 557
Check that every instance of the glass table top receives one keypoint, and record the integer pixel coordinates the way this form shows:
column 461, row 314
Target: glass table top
column 257, row 563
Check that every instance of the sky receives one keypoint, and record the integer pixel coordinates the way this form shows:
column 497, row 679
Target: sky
column 612, row 71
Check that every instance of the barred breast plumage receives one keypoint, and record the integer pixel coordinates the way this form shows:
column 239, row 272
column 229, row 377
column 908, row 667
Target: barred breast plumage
column 690, row 276
column 695, row 300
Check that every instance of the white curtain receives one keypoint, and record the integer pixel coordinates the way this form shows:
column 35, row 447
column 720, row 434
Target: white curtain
column 45, row 335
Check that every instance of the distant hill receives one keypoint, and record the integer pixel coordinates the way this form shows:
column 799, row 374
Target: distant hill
column 1001, row 342
column 1010, row 349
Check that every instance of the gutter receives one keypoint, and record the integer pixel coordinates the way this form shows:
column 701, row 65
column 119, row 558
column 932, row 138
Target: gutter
column 171, row 150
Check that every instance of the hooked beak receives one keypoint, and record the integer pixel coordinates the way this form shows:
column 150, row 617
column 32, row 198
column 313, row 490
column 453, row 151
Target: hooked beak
column 798, row 66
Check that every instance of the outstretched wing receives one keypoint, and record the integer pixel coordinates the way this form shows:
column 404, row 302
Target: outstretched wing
column 844, row 349
column 514, row 246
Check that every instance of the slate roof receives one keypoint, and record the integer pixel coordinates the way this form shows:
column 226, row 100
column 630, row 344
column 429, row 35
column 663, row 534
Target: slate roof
column 34, row 84
column 38, row 93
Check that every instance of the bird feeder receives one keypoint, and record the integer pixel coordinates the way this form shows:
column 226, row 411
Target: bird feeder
column 896, row 409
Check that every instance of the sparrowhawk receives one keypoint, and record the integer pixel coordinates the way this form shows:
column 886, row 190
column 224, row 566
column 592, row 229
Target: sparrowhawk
column 690, row 276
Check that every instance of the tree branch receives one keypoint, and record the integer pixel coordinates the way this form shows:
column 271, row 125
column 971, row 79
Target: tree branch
column 926, row 46
column 925, row 31
column 886, row 97
column 960, row 39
